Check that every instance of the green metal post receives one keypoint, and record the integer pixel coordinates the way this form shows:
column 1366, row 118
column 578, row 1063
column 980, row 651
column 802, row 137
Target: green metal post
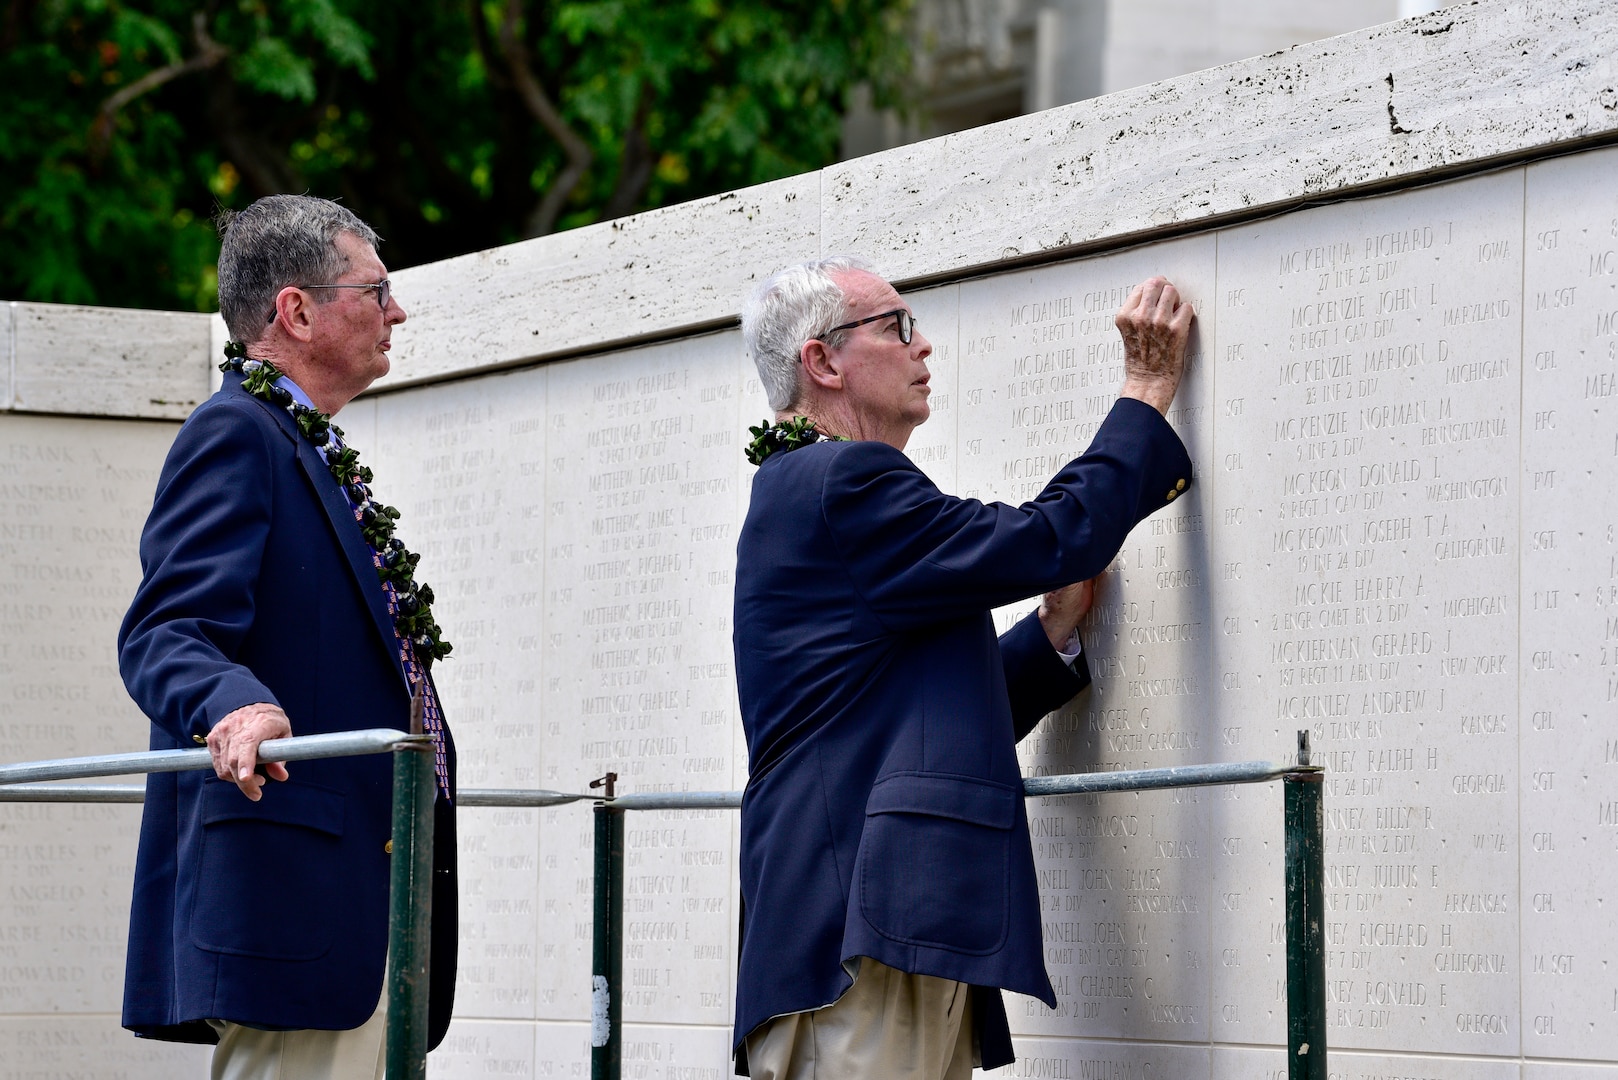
column 1305, row 920
column 607, row 966
column 410, row 920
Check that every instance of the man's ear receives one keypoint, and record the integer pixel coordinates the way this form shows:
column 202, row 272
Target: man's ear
column 295, row 311
column 820, row 366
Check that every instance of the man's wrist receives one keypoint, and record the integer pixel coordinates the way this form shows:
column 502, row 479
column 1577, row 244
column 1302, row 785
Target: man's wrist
column 1156, row 392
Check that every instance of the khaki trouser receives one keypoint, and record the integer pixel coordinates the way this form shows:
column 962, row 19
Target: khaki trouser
column 890, row 1025
column 246, row 1053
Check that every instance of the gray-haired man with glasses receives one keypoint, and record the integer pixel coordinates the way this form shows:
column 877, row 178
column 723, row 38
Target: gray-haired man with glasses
column 888, row 889
column 271, row 604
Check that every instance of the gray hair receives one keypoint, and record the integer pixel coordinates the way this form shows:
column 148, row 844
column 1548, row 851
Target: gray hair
column 279, row 240
column 789, row 309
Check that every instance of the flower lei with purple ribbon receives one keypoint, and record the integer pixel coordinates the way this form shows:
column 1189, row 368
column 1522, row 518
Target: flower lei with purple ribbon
column 414, row 614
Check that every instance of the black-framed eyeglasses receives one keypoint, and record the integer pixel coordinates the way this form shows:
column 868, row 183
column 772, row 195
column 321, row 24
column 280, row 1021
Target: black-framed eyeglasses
column 907, row 324
column 384, row 291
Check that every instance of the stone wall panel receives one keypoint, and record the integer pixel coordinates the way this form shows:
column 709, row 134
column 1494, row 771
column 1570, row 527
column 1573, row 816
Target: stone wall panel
column 108, row 361
column 1567, row 663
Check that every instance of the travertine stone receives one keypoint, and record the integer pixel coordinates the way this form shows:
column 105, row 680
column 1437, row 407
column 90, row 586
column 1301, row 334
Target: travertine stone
column 639, row 543
column 492, row 1048
column 217, row 337
column 1467, row 84
column 934, row 446
column 73, row 495
column 64, row 907
column 7, row 347
column 648, row 1052
column 1039, row 1057
column 1373, row 373
column 1543, row 1070
column 91, row 1046
column 464, row 465
column 1568, row 658
column 1041, row 366
column 1254, row 1064
column 619, row 281
column 108, row 361
column 668, row 1052
column 590, row 508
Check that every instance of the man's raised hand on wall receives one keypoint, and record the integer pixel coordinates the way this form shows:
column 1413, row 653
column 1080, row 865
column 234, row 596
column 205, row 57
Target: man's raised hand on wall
column 1156, row 325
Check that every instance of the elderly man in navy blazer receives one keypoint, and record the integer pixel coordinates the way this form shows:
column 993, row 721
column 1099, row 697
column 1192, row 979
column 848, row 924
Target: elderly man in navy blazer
column 275, row 601
column 888, row 887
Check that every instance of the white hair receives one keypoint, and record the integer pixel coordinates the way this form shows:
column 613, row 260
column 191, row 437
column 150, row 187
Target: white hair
column 792, row 307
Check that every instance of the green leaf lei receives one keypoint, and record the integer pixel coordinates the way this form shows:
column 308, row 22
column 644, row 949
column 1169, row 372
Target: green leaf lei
column 785, row 435
column 413, row 615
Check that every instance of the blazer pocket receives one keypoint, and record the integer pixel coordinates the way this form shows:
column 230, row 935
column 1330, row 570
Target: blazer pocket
column 933, row 860
column 265, row 870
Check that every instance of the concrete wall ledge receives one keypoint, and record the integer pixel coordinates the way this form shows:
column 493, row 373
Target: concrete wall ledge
column 95, row 361
column 1460, row 90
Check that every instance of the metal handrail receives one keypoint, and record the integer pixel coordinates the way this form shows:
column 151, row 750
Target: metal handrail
column 136, row 793
column 413, row 794
column 1305, row 882
column 65, row 793
column 298, row 748
column 1178, row 776
column 1241, row 772
column 518, row 797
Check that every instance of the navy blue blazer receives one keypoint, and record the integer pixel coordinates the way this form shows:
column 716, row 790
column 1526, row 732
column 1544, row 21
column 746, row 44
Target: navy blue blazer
column 883, row 815
column 258, row 587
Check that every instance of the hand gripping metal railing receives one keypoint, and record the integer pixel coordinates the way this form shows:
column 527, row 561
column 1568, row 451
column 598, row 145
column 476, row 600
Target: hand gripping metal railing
column 412, row 837
column 411, row 886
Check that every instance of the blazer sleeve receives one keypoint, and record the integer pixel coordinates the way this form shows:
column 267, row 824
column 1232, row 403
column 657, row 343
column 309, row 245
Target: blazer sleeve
column 1037, row 682
column 201, row 554
column 918, row 556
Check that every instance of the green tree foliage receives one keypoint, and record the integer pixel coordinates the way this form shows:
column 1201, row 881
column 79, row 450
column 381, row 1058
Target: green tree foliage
column 450, row 125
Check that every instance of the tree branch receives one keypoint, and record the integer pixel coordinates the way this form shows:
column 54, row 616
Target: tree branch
column 264, row 168
column 538, row 103
column 209, row 53
column 635, row 167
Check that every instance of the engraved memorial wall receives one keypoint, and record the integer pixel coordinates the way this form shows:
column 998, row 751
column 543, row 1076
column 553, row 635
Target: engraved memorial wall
column 75, row 494
column 1377, row 392
column 1400, row 537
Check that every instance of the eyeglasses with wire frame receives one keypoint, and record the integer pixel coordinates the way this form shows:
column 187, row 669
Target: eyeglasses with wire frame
column 907, row 324
column 384, row 292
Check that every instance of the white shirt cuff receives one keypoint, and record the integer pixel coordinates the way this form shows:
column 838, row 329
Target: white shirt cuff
column 1071, row 648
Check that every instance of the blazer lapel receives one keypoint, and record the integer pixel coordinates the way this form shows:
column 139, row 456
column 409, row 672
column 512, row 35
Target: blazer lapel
column 343, row 525
column 358, row 552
